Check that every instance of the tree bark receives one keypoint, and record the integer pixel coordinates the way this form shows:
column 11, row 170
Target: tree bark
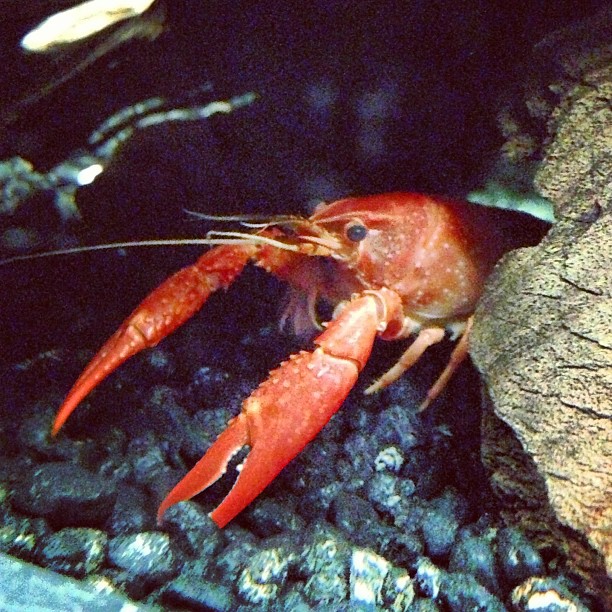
column 543, row 333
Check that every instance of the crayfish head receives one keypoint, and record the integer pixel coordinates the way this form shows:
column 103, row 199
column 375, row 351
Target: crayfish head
column 375, row 235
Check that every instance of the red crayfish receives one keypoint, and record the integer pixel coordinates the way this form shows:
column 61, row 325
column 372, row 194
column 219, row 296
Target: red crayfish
column 394, row 265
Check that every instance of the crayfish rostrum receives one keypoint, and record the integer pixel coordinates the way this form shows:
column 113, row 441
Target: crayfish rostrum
column 393, row 265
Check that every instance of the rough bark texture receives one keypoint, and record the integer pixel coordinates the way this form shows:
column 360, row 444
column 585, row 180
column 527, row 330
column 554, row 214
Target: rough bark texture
column 543, row 334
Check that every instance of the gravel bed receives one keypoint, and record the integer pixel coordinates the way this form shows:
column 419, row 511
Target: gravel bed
column 386, row 509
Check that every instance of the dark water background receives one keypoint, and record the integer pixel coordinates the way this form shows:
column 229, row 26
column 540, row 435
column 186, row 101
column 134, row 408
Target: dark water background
column 355, row 97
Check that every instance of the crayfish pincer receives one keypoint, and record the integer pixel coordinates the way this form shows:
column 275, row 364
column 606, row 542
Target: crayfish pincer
column 393, row 265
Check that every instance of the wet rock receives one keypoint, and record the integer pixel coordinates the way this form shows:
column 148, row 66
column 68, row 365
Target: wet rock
column 66, row 494
column 462, row 592
column 439, row 530
column 146, row 556
column 193, row 530
column 133, row 512
column 517, row 557
column 545, row 595
column 474, row 555
column 367, row 575
column 192, row 591
column 269, row 517
column 20, row 536
column 261, row 581
column 73, row 551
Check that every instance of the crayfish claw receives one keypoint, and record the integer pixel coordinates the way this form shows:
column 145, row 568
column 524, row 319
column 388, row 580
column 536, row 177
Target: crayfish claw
column 119, row 347
column 210, row 468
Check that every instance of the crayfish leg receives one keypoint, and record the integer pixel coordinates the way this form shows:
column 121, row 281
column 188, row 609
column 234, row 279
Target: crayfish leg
column 460, row 352
column 426, row 338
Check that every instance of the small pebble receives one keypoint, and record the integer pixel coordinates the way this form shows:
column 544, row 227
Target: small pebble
column 398, row 590
column 462, row 592
column 439, row 531
column 131, row 513
column 517, row 557
column 75, row 551
column 146, row 555
column 538, row 594
column 367, row 575
column 428, row 579
column 193, row 530
column 20, row 536
column 66, row 494
column 234, row 557
column 474, row 555
column 263, row 578
column 269, row 517
column 389, row 459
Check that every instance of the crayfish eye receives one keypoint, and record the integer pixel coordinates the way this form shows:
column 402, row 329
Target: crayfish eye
column 356, row 231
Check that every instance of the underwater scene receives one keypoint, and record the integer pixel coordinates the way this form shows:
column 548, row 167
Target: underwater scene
column 364, row 249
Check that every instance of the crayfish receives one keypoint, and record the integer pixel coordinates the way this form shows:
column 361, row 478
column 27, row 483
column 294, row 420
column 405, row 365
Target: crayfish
column 392, row 265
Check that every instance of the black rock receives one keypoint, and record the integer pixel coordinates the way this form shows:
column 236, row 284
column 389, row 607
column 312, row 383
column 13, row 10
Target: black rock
column 193, row 530
column 20, row 536
column 474, row 555
column 269, row 517
column 462, row 592
column 133, row 512
column 264, row 576
column 192, row 591
column 402, row 548
column 353, row 514
column 146, row 556
column 66, row 494
column 517, row 557
column 233, row 558
column 439, row 531
column 73, row 551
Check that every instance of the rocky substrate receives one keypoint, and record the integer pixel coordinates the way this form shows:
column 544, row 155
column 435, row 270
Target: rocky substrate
column 386, row 509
